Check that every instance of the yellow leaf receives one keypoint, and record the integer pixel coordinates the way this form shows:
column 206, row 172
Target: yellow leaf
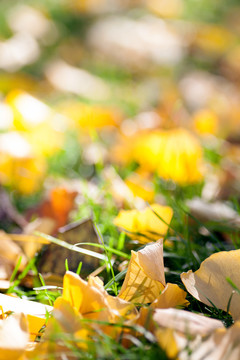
column 174, row 154
column 35, row 323
column 20, row 168
column 209, row 283
column 92, row 301
column 167, row 342
column 145, row 222
column 145, row 277
column 171, row 296
column 205, row 122
column 140, row 187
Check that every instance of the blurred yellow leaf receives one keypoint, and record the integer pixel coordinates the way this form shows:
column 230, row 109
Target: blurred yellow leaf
column 140, row 187
column 44, row 129
column 17, row 305
column 205, row 122
column 167, row 342
column 174, row 154
column 214, row 39
column 165, row 8
column 145, row 222
column 20, row 169
column 35, row 323
column 88, row 117
column 221, row 344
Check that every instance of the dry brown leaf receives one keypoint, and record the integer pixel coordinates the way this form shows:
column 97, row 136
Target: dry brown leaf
column 53, row 260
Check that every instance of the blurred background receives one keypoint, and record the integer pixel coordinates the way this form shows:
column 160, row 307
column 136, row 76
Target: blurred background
column 94, row 89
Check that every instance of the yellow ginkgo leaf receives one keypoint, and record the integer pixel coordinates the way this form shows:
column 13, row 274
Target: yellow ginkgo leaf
column 166, row 340
column 145, row 277
column 172, row 296
column 145, row 223
column 92, row 301
column 210, row 284
column 85, row 297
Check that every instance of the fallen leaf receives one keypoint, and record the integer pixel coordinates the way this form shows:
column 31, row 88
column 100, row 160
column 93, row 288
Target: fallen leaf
column 222, row 344
column 145, row 225
column 171, row 297
column 145, row 277
column 186, row 322
column 209, row 283
column 53, row 259
column 58, row 205
column 92, row 301
column 213, row 211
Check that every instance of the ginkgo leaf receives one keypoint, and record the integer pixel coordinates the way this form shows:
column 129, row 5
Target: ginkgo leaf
column 210, row 283
column 174, row 154
column 145, row 277
column 172, row 296
column 85, row 297
column 167, row 342
column 92, row 301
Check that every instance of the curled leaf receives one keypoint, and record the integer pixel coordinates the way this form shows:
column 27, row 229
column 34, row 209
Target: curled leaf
column 145, row 277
